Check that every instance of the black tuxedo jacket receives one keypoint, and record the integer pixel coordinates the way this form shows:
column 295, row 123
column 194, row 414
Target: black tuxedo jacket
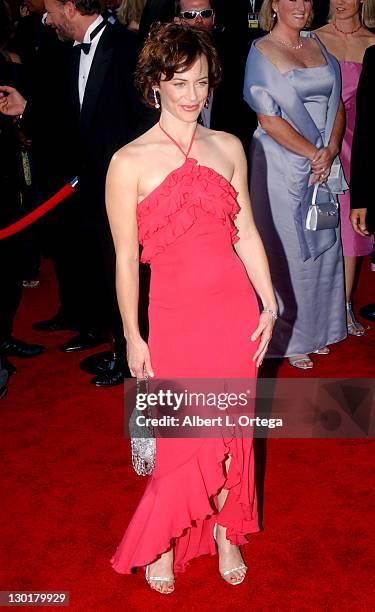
column 112, row 112
column 230, row 113
column 362, row 159
column 45, row 118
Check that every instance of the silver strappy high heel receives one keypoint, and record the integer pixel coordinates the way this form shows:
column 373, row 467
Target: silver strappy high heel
column 152, row 579
column 354, row 327
column 242, row 567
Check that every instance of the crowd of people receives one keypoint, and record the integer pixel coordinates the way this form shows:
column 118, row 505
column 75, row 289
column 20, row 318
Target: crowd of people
column 88, row 126
column 170, row 173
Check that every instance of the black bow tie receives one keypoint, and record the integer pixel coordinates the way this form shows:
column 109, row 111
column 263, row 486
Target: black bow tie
column 85, row 46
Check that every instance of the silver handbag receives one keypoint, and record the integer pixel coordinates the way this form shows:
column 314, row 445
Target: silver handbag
column 143, row 442
column 323, row 211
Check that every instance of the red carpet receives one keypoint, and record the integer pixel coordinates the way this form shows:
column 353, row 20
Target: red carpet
column 68, row 492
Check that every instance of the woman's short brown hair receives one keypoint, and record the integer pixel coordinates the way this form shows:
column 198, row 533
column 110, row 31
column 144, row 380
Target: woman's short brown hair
column 171, row 48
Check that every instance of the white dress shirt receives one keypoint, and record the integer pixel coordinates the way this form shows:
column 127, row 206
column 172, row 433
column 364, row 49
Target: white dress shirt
column 86, row 60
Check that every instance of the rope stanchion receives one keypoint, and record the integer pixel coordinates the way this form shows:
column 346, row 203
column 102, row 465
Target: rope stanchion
column 19, row 225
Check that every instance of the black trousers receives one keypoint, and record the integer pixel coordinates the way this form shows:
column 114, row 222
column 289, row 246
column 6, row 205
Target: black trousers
column 11, row 258
column 99, row 308
column 78, row 238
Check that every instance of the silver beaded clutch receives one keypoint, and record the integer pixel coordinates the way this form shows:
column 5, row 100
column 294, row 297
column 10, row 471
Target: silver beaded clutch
column 143, row 441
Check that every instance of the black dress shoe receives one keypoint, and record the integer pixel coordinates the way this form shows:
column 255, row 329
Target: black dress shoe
column 17, row 348
column 82, row 342
column 368, row 312
column 115, row 375
column 98, row 363
column 56, row 323
column 9, row 367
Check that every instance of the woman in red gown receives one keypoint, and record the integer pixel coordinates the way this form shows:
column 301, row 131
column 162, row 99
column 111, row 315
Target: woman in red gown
column 181, row 191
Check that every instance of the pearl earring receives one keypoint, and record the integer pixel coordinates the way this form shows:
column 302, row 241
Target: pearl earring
column 274, row 15
column 157, row 103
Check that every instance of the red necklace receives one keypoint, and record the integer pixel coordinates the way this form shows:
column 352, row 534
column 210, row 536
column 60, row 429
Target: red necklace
column 346, row 33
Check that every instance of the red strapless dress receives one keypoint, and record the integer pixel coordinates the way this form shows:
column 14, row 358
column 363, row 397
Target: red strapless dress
column 202, row 313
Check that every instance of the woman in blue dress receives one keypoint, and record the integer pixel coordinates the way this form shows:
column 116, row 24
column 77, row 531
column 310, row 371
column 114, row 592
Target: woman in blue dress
column 294, row 86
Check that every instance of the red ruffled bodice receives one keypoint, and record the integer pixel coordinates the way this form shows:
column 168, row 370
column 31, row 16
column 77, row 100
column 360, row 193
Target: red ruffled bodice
column 170, row 210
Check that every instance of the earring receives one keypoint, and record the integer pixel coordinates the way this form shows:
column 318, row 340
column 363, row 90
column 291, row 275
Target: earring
column 274, row 15
column 207, row 102
column 156, row 101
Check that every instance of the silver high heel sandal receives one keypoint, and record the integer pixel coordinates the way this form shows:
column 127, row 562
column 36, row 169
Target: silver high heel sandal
column 152, row 579
column 241, row 567
column 354, row 328
column 322, row 351
column 303, row 362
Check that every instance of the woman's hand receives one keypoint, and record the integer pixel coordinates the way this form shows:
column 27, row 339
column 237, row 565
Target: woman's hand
column 321, row 164
column 264, row 330
column 358, row 221
column 139, row 359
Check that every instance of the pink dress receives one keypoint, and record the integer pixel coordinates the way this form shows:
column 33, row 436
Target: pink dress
column 202, row 312
column 353, row 244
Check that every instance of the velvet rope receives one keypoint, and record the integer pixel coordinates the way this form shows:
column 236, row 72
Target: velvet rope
column 19, row 225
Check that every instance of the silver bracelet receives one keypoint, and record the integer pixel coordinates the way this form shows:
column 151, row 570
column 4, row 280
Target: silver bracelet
column 273, row 313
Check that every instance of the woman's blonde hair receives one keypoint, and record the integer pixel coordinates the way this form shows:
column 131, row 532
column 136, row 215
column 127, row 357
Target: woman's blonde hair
column 367, row 13
column 268, row 17
column 130, row 10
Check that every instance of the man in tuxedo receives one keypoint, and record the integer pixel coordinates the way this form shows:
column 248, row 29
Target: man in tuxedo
column 105, row 113
column 102, row 112
column 362, row 160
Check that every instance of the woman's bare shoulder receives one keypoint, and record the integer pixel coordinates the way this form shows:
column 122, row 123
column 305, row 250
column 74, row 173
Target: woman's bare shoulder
column 228, row 144
column 324, row 33
column 265, row 45
column 370, row 39
column 222, row 138
column 265, row 41
column 134, row 154
column 326, row 29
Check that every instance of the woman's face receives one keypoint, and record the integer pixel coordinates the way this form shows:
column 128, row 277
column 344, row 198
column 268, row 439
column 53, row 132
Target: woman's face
column 185, row 94
column 345, row 9
column 293, row 13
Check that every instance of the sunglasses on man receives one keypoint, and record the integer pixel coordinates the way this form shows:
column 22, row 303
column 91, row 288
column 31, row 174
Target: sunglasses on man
column 191, row 15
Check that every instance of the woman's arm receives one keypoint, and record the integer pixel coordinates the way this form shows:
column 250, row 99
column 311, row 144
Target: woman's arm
column 338, row 130
column 285, row 135
column 322, row 162
column 121, row 203
column 251, row 251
